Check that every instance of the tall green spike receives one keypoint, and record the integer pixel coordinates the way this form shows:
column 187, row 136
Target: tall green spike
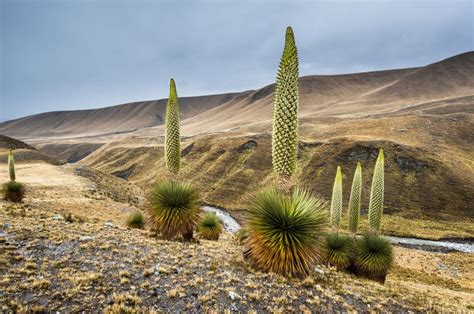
column 354, row 200
column 172, row 133
column 11, row 165
column 336, row 200
column 285, row 110
column 376, row 194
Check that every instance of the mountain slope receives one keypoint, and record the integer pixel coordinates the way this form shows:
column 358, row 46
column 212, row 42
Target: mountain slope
column 320, row 96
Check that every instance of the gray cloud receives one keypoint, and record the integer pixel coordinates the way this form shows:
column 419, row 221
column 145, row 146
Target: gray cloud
column 58, row 55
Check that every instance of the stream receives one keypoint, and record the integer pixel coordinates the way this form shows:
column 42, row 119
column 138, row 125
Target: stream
column 231, row 225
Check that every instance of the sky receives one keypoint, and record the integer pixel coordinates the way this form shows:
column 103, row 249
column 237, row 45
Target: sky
column 78, row 54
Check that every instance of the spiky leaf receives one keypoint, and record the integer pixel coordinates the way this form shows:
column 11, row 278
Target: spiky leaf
column 174, row 209
column 337, row 250
column 11, row 166
column 354, row 200
column 172, row 132
column 376, row 194
column 336, row 200
column 374, row 255
column 285, row 110
column 284, row 231
column 13, row 191
column 210, row 227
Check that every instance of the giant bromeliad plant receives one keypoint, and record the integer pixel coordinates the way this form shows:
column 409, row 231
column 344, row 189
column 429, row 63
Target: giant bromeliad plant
column 285, row 114
column 174, row 205
column 285, row 224
column 12, row 190
column 374, row 253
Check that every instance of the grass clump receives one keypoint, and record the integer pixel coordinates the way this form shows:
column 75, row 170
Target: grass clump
column 136, row 220
column 174, row 209
column 13, row 191
column 337, row 250
column 210, row 227
column 373, row 256
column 285, row 231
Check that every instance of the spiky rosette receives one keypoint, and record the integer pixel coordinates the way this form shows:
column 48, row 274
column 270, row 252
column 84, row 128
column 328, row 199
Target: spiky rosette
column 285, row 110
column 11, row 166
column 374, row 256
column 337, row 250
column 172, row 132
column 210, row 227
column 376, row 194
column 284, row 232
column 174, row 209
column 354, row 200
column 13, row 191
column 336, row 200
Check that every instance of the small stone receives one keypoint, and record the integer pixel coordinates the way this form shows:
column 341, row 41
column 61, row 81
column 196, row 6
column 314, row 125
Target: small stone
column 86, row 238
column 58, row 217
column 234, row 308
column 108, row 224
column 234, row 296
column 319, row 270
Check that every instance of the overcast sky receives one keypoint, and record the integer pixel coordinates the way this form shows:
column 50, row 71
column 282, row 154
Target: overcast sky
column 64, row 55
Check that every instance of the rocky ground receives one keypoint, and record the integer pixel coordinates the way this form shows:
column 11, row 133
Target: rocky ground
column 66, row 248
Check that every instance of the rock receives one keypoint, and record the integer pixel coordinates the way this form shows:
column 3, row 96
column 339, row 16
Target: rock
column 319, row 270
column 86, row 238
column 249, row 145
column 187, row 150
column 234, row 296
column 234, row 308
column 108, row 224
column 58, row 217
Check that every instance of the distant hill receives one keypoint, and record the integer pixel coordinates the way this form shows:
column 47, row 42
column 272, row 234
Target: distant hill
column 24, row 152
column 345, row 95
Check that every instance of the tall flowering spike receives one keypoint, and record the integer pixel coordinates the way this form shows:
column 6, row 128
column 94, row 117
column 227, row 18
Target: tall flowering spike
column 376, row 194
column 336, row 201
column 11, row 166
column 354, row 200
column 285, row 111
column 172, row 134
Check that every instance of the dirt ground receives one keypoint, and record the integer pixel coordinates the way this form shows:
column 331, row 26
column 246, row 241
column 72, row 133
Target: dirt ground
column 67, row 248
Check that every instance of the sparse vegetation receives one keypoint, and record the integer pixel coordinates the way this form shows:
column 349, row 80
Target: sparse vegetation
column 285, row 113
column 210, row 228
column 337, row 250
column 285, row 232
column 373, row 256
column 174, row 209
column 136, row 220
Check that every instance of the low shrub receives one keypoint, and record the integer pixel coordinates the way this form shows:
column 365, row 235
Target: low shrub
column 13, row 191
column 136, row 220
column 174, row 209
column 285, row 231
column 337, row 250
column 210, row 227
column 373, row 256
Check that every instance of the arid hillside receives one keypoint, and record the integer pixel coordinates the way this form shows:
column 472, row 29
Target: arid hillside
column 348, row 95
column 423, row 118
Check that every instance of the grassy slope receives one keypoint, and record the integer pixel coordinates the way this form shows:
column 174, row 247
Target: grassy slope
column 428, row 174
